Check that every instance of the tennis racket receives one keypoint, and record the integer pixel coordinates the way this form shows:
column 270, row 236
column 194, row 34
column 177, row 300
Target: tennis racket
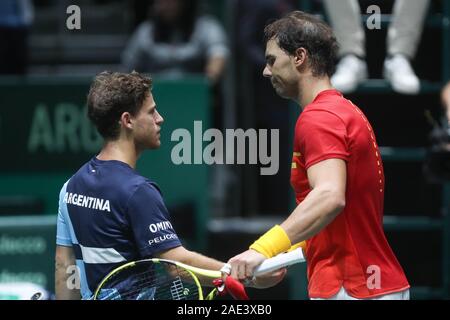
column 160, row 279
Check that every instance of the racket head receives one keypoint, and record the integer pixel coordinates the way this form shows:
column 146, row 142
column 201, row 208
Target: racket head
column 150, row 279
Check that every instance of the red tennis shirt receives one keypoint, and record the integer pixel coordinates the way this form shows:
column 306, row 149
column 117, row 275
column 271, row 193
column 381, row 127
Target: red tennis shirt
column 352, row 251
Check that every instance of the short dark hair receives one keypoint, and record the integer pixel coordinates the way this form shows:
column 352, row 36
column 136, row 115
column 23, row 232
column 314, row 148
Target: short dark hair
column 113, row 93
column 299, row 29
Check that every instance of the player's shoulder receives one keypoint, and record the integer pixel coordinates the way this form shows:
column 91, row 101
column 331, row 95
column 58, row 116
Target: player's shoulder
column 319, row 113
column 131, row 182
column 63, row 191
column 328, row 104
column 329, row 100
column 148, row 186
column 320, row 117
column 72, row 178
column 144, row 193
column 81, row 171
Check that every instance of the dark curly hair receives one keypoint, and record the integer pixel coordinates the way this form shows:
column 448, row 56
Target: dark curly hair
column 299, row 29
column 112, row 94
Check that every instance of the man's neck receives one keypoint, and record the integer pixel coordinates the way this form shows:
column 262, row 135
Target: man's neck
column 310, row 87
column 121, row 151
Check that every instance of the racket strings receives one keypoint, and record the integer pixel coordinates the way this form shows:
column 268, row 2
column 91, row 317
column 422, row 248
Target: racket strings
column 160, row 281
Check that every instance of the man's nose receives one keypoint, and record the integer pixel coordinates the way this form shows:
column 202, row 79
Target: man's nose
column 266, row 72
column 159, row 118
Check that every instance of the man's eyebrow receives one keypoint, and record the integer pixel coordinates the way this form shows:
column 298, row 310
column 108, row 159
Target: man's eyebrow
column 268, row 56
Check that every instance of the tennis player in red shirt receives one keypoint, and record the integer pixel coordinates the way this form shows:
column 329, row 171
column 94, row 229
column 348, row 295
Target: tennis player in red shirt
column 337, row 175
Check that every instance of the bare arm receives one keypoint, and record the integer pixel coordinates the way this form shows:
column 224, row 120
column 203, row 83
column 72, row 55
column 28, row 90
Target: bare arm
column 64, row 259
column 325, row 201
column 192, row 258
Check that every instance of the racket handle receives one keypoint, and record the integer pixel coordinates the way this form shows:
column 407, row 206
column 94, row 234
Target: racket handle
column 280, row 261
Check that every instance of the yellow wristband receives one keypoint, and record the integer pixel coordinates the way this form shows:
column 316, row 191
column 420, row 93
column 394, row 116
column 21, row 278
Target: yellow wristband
column 273, row 242
column 298, row 245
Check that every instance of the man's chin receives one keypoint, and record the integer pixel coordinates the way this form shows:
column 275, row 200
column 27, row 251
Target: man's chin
column 155, row 145
column 281, row 93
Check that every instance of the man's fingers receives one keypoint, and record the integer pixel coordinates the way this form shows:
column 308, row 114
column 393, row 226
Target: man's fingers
column 242, row 271
column 234, row 271
column 235, row 267
column 244, row 264
column 280, row 272
column 249, row 271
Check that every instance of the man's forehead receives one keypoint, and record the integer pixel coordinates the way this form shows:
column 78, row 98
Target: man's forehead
column 149, row 101
column 272, row 47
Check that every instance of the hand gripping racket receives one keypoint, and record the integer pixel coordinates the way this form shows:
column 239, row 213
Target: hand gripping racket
column 160, row 279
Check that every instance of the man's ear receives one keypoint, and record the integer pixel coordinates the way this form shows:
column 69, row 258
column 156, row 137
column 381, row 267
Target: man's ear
column 300, row 57
column 126, row 121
